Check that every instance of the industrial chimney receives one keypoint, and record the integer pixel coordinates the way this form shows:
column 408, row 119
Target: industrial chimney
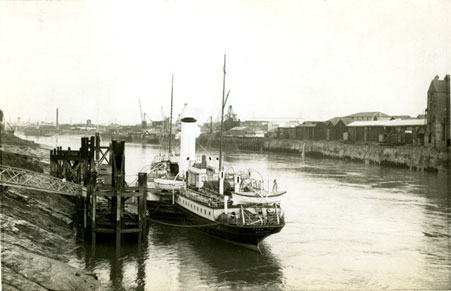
column 57, row 124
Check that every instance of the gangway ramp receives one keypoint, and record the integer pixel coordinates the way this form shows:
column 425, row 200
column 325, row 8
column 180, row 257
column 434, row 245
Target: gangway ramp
column 25, row 179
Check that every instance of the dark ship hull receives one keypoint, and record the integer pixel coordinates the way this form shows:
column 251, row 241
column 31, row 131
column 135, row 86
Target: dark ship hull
column 163, row 210
column 247, row 236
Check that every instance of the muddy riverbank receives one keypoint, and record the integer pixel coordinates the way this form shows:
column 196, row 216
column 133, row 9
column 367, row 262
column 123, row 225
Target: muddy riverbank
column 38, row 238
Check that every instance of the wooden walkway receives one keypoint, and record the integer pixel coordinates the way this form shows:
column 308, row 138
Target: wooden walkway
column 25, row 179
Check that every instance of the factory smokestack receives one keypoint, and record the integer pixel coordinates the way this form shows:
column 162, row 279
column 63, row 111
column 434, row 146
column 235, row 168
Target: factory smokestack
column 57, row 124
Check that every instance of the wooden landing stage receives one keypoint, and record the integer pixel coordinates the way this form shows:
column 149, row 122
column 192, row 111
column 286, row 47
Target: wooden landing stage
column 107, row 204
column 95, row 176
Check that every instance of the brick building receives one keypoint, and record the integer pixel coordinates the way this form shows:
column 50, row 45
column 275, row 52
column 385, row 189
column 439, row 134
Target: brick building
column 438, row 113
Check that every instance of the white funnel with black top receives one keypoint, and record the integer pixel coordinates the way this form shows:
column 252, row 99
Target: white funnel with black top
column 190, row 131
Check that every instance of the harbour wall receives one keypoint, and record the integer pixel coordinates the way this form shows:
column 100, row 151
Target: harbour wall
column 414, row 157
column 408, row 156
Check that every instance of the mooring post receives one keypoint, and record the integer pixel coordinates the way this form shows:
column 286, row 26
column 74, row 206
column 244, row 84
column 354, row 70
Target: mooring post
column 84, row 151
column 52, row 164
column 91, row 161
column 118, row 190
column 93, row 220
column 142, row 186
column 85, row 207
column 145, row 206
column 97, row 146
column 89, row 193
column 67, row 165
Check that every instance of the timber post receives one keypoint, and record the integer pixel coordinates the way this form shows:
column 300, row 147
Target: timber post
column 142, row 204
column 84, row 153
column 93, row 220
column 97, row 146
column 118, row 194
column 118, row 161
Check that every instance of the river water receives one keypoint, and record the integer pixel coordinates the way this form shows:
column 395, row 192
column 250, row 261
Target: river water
column 349, row 226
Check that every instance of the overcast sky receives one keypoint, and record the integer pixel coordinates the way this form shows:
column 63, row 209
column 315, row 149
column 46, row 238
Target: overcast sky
column 315, row 59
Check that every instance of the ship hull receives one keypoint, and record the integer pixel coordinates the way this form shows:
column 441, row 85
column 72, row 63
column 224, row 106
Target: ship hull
column 247, row 236
column 163, row 210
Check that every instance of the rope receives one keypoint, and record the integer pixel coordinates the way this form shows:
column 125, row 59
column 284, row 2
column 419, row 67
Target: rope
column 183, row 225
column 203, row 148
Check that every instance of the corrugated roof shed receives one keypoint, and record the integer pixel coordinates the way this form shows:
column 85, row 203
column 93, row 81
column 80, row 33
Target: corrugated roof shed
column 335, row 120
column 389, row 123
column 238, row 128
column 311, row 123
column 368, row 114
column 307, row 125
column 407, row 122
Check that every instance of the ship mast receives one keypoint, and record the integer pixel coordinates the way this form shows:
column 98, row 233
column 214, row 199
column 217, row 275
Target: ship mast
column 170, row 118
column 222, row 115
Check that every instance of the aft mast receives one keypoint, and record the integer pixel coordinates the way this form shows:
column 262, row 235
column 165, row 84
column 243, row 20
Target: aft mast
column 170, row 118
column 222, row 116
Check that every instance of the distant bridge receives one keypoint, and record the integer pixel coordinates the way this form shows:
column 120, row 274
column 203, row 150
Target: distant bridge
column 25, row 179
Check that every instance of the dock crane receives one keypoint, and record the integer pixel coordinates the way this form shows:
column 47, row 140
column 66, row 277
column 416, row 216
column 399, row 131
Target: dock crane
column 178, row 122
column 164, row 121
column 182, row 112
column 143, row 117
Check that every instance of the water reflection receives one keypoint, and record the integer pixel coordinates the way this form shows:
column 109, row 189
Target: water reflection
column 180, row 258
column 208, row 260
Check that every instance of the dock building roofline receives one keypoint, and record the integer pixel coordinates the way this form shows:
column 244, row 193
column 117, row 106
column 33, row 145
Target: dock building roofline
column 389, row 123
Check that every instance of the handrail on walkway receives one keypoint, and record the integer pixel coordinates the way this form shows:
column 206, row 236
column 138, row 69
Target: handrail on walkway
column 26, row 179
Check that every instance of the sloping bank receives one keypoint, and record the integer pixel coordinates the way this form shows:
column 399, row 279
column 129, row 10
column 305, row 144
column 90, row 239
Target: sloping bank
column 420, row 158
column 37, row 237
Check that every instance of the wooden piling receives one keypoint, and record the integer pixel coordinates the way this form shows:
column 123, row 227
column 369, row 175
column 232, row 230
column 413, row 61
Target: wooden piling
column 142, row 204
column 118, row 192
column 97, row 146
column 93, row 219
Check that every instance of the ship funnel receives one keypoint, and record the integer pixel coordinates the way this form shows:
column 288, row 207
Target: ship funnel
column 190, row 131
